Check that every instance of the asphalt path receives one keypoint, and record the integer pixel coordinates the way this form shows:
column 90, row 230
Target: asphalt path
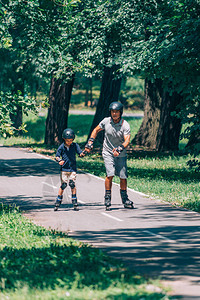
column 154, row 239
column 131, row 114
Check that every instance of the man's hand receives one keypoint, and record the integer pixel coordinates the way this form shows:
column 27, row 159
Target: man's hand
column 118, row 150
column 115, row 153
column 89, row 145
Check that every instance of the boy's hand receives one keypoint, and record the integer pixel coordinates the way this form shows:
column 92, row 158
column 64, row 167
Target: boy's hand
column 61, row 163
column 83, row 154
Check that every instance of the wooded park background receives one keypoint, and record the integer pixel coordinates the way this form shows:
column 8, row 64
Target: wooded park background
column 54, row 48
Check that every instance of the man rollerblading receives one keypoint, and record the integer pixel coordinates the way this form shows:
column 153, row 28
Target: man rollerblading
column 58, row 202
column 125, row 200
column 116, row 139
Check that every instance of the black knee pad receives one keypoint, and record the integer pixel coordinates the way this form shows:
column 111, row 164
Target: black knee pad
column 71, row 184
column 64, row 185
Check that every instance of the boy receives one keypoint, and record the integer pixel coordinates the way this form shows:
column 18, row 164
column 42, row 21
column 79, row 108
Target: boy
column 66, row 157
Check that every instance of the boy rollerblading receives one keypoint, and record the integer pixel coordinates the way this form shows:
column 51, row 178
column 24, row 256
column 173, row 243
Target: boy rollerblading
column 66, row 157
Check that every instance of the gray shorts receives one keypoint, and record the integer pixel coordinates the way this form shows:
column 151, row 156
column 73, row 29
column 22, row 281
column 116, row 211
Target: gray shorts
column 115, row 166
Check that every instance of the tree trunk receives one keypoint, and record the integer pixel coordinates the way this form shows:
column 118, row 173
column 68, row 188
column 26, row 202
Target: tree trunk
column 17, row 118
column 169, row 126
column 59, row 100
column 159, row 130
column 110, row 89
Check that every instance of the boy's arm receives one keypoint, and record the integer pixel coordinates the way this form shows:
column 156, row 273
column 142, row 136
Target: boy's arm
column 58, row 159
column 79, row 151
column 89, row 145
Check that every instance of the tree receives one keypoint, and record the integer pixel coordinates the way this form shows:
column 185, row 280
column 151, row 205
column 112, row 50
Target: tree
column 166, row 54
column 107, row 36
column 12, row 73
column 110, row 89
column 59, row 99
column 157, row 129
column 9, row 106
column 46, row 36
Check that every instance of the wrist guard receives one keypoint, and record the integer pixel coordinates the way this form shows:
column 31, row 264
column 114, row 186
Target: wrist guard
column 119, row 149
column 58, row 159
column 90, row 145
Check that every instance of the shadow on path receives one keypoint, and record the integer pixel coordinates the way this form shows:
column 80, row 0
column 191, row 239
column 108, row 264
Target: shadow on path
column 175, row 256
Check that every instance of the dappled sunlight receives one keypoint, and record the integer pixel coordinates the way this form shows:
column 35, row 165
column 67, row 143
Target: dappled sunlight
column 147, row 252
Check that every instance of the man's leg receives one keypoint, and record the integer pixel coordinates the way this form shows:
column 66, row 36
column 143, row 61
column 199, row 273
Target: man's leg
column 108, row 187
column 110, row 172
column 108, row 182
column 123, row 192
column 123, row 184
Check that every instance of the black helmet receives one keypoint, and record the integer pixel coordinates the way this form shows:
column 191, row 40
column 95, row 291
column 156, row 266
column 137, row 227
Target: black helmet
column 116, row 106
column 68, row 134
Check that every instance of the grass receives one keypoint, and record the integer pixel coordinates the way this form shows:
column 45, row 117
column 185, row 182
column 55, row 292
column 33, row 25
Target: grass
column 36, row 263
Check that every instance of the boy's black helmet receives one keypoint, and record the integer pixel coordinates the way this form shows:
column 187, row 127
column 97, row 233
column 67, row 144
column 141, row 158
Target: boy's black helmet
column 68, row 134
column 116, row 106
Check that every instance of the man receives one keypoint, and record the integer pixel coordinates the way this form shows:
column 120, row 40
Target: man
column 117, row 138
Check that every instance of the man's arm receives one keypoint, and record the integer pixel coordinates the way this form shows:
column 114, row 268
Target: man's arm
column 89, row 145
column 127, row 139
column 119, row 149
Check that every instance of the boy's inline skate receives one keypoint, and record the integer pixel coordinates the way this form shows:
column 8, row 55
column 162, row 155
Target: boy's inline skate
column 58, row 203
column 75, row 204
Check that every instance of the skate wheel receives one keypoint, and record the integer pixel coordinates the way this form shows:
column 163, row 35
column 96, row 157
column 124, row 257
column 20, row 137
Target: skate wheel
column 108, row 208
column 55, row 208
column 129, row 206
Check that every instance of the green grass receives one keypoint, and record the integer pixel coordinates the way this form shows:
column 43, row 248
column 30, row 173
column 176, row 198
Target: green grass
column 36, row 263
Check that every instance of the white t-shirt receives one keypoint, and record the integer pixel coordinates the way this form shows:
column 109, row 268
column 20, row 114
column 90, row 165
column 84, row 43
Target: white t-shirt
column 114, row 134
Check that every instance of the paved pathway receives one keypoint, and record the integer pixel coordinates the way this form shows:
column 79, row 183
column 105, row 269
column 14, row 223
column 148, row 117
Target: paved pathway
column 131, row 114
column 154, row 239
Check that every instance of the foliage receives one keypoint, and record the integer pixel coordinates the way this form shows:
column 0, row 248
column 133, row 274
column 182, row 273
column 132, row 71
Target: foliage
column 8, row 106
column 167, row 49
column 152, row 39
column 132, row 93
column 191, row 116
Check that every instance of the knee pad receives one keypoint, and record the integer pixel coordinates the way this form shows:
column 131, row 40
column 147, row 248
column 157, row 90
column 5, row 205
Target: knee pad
column 63, row 186
column 71, row 184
